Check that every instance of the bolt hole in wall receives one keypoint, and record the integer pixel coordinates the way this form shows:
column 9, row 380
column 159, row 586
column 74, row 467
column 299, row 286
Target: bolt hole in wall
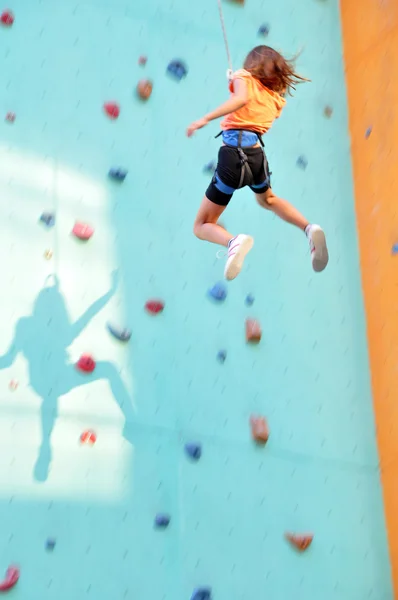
column 166, row 434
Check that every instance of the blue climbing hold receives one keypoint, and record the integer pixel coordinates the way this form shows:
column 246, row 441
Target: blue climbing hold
column 50, row 544
column 221, row 356
column 123, row 335
column 264, row 30
column 162, row 521
column 368, row 132
column 177, row 69
column 48, row 219
column 218, row 292
column 302, row 162
column 193, row 450
column 395, row 249
column 203, row 593
column 118, row 174
column 210, row 167
column 249, row 300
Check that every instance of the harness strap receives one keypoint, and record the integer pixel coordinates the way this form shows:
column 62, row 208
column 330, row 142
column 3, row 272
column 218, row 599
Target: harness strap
column 244, row 161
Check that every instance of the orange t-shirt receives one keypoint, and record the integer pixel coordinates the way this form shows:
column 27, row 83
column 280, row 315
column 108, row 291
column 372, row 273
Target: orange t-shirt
column 261, row 110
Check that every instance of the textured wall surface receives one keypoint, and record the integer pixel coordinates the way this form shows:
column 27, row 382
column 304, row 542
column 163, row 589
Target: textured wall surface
column 59, row 63
column 370, row 44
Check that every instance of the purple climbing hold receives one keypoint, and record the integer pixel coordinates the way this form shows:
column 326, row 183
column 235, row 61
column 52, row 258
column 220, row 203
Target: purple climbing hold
column 123, row 335
column 118, row 174
column 193, row 450
column 203, row 593
column 302, row 162
column 249, row 300
column 210, row 167
column 48, row 219
column 368, row 132
column 50, row 544
column 177, row 69
column 394, row 249
column 162, row 521
column 221, row 356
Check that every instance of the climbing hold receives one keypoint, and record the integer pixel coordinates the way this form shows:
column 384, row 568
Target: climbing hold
column 210, row 167
column 142, row 61
column 221, row 356
column 264, row 30
column 118, row 174
column 86, row 363
column 48, row 219
column 11, row 578
column 193, row 450
column 144, row 89
column 203, row 593
column 48, row 254
column 218, row 292
column 394, row 249
column 88, row 437
column 302, row 162
column 300, row 541
column 7, row 18
column 13, row 385
column 162, row 521
column 154, row 307
column 50, row 544
column 10, row 117
column 249, row 300
column 112, row 109
column 328, row 111
column 82, row 231
column 368, row 132
column 260, row 431
column 122, row 335
column 253, row 331
column 177, row 69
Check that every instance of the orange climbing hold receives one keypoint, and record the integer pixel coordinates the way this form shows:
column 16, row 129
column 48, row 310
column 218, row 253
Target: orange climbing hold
column 82, row 231
column 112, row 109
column 144, row 89
column 260, row 430
column 300, row 541
column 11, row 578
column 88, row 437
column 253, row 331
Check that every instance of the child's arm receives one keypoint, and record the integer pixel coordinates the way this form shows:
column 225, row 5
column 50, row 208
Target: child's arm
column 237, row 100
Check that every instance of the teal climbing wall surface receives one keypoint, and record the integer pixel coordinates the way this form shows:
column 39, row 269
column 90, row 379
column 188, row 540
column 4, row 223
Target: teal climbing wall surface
column 309, row 376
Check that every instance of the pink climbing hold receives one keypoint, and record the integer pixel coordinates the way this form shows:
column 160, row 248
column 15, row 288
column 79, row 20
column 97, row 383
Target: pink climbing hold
column 11, row 578
column 154, row 306
column 7, row 18
column 86, row 363
column 142, row 61
column 112, row 109
column 10, row 117
column 82, row 231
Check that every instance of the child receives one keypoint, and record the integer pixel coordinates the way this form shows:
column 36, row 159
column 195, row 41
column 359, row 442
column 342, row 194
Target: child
column 257, row 99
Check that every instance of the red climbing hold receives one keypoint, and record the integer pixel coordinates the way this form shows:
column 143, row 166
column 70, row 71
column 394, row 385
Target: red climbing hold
column 112, row 109
column 10, row 117
column 82, row 231
column 88, row 437
column 300, row 542
column 86, row 363
column 11, row 578
column 154, row 306
column 7, row 18
column 260, row 431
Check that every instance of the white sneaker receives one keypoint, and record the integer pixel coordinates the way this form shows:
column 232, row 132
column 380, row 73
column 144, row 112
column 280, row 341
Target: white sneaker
column 237, row 251
column 319, row 251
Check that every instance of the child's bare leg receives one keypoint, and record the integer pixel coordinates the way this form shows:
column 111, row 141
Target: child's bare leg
column 314, row 233
column 282, row 208
column 207, row 228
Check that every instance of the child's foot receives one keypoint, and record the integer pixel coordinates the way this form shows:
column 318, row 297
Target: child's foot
column 237, row 249
column 319, row 251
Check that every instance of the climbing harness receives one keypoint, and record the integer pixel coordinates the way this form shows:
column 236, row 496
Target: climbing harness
column 224, row 31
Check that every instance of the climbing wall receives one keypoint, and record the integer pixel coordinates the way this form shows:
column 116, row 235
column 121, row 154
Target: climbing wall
column 90, row 459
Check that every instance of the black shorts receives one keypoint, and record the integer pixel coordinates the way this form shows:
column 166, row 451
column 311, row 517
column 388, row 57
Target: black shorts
column 228, row 173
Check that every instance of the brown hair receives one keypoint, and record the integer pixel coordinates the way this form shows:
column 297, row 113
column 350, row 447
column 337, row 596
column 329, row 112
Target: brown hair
column 273, row 70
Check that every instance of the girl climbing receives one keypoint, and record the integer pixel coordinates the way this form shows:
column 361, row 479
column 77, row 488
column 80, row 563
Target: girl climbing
column 256, row 100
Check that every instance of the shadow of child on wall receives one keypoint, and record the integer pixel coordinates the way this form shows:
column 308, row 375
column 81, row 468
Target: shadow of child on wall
column 43, row 339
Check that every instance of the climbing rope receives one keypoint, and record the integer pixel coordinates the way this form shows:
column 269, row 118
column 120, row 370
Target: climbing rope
column 230, row 70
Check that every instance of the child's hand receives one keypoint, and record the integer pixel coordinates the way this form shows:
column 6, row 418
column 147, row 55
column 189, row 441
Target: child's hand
column 196, row 125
